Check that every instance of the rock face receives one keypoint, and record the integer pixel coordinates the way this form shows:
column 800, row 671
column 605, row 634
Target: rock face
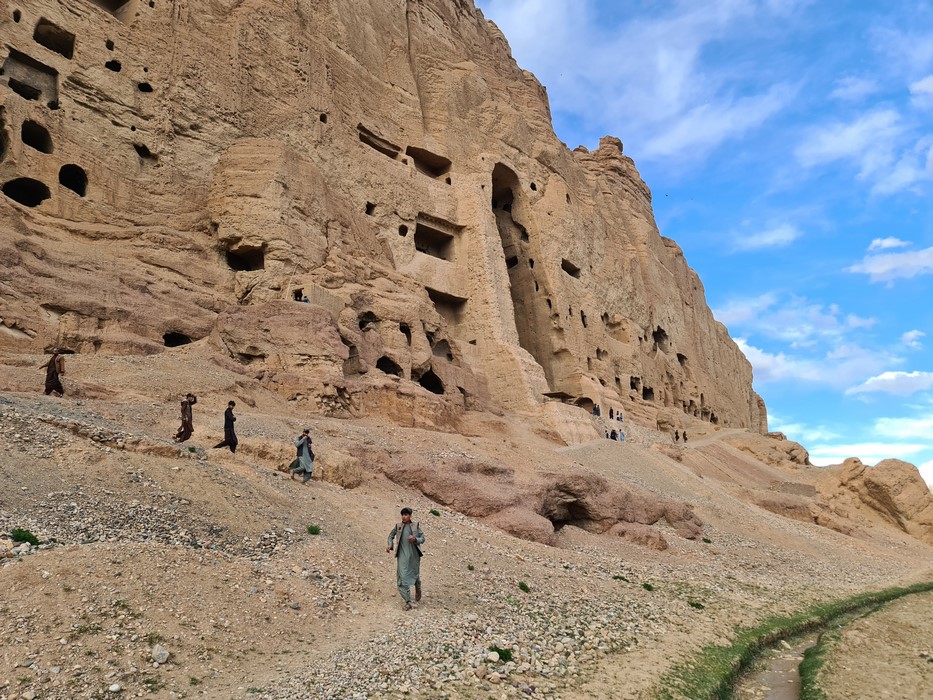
column 892, row 491
column 172, row 172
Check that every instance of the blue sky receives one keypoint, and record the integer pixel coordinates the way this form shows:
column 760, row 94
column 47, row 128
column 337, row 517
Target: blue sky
column 789, row 148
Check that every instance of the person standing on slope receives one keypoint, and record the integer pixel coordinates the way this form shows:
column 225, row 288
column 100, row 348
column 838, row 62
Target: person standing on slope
column 54, row 370
column 305, row 460
column 187, row 418
column 406, row 538
column 230, row 439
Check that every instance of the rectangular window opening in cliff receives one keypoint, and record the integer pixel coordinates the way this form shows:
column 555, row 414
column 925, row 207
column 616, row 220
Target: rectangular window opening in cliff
column 570, row 268
column 647, row 393
column 246, row 259
column 54, row 38
column 434, row 242
column 31, row 79
column 123, row 10
column 682, row 359
column 451, row 308
column 634, row 383
column 430, row 164
column 386, row 148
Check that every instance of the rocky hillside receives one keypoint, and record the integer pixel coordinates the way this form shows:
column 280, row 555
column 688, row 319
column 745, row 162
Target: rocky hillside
column 178, row 172
column 184, row 571
column 353, row 216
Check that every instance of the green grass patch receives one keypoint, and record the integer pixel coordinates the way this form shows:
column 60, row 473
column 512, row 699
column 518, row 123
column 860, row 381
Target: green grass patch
column 713, row 671
column 505, row 655
column 435, row 512
column 523, row 587
column 647, row 586
column 707, row 540
column 153, row 685
column 813, row 659
column 314, row 529
column 697, row 605
column 21, row 535
column 618, row 577
column 470, row 567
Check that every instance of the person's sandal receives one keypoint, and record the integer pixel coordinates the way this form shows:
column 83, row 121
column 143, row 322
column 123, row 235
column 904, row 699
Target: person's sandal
column 418, row 594
column 407, row 606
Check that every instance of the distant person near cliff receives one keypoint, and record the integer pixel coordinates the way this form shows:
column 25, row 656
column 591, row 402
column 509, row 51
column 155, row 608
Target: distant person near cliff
column 230, row 439
column 305, row 460
column 405, row 538
column 187, row 418
column 54, row 370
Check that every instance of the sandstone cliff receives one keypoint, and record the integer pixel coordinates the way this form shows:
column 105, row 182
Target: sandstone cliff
column 171, row 169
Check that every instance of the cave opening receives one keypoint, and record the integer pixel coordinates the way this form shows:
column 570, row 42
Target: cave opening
column 246, row 258
column 36, row 136
column 174, row 339
column 431, row 382
column 26, row 191
column 74, row 178
column 387, row 365
column 54, row 38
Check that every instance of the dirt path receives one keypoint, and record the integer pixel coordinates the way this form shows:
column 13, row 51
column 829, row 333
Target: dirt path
column 886, row 655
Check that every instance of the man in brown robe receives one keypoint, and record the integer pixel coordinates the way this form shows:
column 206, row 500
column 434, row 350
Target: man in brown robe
column 187, row 424
column 54, row 370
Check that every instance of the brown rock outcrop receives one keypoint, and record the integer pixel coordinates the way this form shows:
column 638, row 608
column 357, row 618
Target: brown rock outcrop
column 892, row 491
column 171, row 173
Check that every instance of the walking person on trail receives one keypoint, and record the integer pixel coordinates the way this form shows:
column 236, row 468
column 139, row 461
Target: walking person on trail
column 305, row 461
column 187, row 418
column 54, row 371
column 229, row 433
column 406, row 538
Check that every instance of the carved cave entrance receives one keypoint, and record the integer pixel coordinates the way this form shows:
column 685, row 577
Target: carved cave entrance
column 531, row 315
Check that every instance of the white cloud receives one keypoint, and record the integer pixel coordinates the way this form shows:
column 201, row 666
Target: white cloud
column 838, row 368
column 912, row 339
column 913, row 167
column 799, row 432
column 741, row 311
column 853, row 321
column 770, row 367
column 775, row 237
column 906, row 53
column 868, row 452
column 887, row 267
column 704, row 127
column 794, row 320
column 926, row 471
column 921, row 92
column 851, row 89
column 651, row 72
column 869, row 141
column 906, row 428
column 886, row 243
column 897, row 383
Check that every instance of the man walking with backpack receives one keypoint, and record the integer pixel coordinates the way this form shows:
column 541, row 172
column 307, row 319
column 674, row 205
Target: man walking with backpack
column 406, row 538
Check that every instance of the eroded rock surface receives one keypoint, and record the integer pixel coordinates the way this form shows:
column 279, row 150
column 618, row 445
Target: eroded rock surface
column 176, row 173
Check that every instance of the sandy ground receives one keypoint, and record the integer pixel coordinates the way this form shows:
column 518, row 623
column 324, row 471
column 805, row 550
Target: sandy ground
column 208, row 555
column 888, row 654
